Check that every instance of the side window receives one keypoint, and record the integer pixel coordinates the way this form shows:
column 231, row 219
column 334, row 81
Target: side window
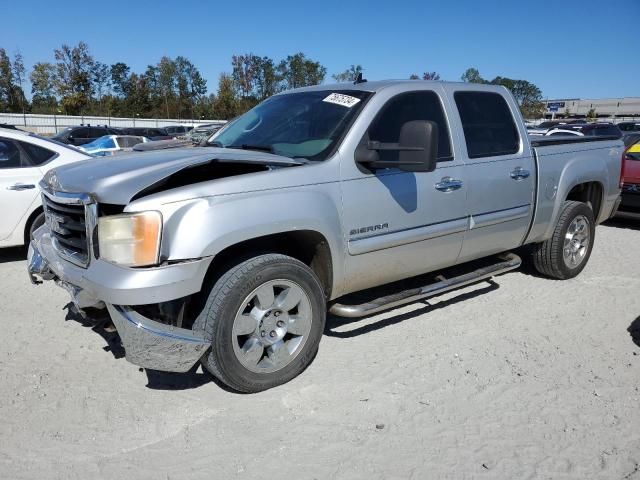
column 98, row 132
column 37, row 155
column 489, row 129
column 81, row 133
column 9, row 155
column 404, row 108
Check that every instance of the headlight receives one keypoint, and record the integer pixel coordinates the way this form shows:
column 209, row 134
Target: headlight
column 130, row 239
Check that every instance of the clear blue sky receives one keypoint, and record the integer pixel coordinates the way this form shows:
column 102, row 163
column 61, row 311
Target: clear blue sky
column 586, row 49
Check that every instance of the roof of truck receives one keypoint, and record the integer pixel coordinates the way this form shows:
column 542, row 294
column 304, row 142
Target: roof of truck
column 367, row 86
column 377, row 85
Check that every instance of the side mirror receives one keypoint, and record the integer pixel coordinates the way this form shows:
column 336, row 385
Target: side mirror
column 417, row 149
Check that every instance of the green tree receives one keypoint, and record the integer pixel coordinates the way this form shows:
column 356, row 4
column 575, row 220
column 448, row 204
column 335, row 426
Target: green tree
column 101, row 81
column 167, row 81
column 73, row 76
column 299, row 71
column 591, row 114
column 119, row 77
column 19, row 73
column 425, row 76
column 42, row 87
column 528, row 96
column 268, row 81
column 191, row 86
column 225, row 105
column 472, row 75
column 349, row 75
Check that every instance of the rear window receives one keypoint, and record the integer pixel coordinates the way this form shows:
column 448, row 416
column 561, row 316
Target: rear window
column 489, row 128
column 37, row 155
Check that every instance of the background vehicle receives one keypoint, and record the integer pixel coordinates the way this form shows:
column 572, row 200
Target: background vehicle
column 563, row 131
column 177, row 130
column 10, row 127
column 631, row 178
column 229, row 254
column 593, row 129
column 24, row 158
column 202, row 132
column 112, row 144
column 83, row 134
column 629, row 126
column 150, row 133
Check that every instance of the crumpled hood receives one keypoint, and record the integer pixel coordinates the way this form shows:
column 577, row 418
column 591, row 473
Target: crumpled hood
column 119, row 178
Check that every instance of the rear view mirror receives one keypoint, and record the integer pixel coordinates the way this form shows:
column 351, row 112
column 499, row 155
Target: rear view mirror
column 417, row 149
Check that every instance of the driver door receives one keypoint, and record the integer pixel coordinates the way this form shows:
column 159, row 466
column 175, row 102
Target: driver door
column 401, row 224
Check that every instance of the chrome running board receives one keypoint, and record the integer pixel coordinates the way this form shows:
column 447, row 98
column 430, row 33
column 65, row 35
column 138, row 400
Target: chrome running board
column 509, row 261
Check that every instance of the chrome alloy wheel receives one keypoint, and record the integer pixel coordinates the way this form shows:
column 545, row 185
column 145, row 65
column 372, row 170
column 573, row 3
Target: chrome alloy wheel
column 576, row 241
column 272, row 326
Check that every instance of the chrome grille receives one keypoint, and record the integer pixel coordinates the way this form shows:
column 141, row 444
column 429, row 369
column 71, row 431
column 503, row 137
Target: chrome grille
column 67, row 222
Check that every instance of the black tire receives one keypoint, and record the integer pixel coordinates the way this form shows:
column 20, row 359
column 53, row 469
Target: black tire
column 36, row 223
column 548, row 257
column 226, row 298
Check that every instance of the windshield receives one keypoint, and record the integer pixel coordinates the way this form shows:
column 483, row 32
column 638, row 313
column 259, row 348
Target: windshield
column 99, row 143
column 306, row 124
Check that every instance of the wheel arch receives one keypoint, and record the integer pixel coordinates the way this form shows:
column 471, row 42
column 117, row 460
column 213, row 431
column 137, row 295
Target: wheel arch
column 309, row 246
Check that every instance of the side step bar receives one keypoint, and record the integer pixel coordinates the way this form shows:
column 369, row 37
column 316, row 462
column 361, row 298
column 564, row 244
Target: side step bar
column 510, row 261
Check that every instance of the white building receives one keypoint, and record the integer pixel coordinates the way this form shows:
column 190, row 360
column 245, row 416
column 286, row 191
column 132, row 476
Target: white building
column 603, row 107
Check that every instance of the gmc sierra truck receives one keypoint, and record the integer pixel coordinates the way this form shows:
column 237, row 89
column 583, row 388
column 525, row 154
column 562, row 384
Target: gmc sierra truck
column 231, row 254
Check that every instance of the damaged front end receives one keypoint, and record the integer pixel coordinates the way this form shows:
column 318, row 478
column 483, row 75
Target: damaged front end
column 149, row 341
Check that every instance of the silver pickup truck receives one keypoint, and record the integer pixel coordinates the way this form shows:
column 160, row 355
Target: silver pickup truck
column 231, row 254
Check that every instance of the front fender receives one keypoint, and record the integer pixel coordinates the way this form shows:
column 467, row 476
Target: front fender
column 205, row 227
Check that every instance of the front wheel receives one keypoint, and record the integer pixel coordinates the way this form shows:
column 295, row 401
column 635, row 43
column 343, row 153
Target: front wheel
column 567, row 252
column 265, row 318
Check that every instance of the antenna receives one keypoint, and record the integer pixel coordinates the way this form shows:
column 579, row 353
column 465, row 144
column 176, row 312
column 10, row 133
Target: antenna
column 359, row 79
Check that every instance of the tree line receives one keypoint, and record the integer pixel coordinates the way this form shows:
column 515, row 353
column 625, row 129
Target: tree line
column 75, row 83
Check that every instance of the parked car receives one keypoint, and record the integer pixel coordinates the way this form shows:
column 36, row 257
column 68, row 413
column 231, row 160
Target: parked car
column 112, row 144
column 588, row 130
column 10, row 127
column 83, row 134
column 544, row 127
column 202, row 132
column 150, row 133
column 562, row 132
column 230, row 255
column 629, row 126
column 24, row 159
column 177, row 130
column 631, row 178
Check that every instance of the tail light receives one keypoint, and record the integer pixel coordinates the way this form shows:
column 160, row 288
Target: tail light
column 623, row 161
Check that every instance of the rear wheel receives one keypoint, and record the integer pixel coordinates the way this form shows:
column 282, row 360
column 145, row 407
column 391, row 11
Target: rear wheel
column 265, row 318
column 567, row 252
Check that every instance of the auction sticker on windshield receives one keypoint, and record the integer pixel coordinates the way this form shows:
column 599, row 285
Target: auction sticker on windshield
column 342, row 99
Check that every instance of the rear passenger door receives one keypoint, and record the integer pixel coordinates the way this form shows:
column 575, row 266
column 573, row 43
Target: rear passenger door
column 500, row 170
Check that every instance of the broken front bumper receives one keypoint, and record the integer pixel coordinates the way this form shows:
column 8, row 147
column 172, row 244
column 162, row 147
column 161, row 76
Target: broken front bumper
column 147, row 343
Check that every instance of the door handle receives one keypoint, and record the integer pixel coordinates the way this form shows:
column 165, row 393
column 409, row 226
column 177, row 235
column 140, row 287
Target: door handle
column 21, row 186
column 448, row 184
column 519, row 173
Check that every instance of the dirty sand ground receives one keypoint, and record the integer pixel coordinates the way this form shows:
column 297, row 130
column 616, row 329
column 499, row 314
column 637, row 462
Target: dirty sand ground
column 523, row 378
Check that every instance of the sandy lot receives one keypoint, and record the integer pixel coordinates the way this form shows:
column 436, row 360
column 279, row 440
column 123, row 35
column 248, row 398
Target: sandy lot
column 520, row 378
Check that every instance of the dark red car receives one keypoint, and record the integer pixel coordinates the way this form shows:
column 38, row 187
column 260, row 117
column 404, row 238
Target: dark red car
column 631, row 177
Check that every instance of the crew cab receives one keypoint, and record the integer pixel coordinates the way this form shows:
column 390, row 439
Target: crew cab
column 231, row 254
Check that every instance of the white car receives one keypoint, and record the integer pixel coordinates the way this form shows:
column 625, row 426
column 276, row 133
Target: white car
column 112, row 144
column 564, row 132
column 24, row 159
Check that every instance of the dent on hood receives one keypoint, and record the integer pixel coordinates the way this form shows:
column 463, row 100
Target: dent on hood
column 120, row 179
column 200, row 173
